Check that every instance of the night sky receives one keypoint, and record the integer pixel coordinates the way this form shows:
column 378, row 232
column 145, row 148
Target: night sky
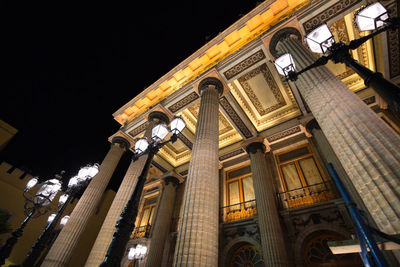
column 70, row 65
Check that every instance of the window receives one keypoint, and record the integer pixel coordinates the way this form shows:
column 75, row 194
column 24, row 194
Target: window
column 240, row 195
column 146, row 217
column 302, row 179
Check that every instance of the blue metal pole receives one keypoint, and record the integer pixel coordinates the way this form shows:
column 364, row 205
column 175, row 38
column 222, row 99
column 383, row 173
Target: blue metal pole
column 355, row 214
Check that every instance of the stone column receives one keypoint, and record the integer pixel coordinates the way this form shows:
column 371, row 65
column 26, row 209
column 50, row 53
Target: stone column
column 197, row 241
column 272, row 239
column 103, row 240
column 367, row 148
column 63, row 248
column 161, row 225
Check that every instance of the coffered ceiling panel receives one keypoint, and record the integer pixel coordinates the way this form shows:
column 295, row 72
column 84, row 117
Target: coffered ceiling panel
column 227, row 133
column 263, row 97
column 176, row 154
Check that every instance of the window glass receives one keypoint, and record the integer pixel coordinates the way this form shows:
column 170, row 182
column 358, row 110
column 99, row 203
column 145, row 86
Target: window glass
column 145, row 217
column 151, row 215
column 291, row 176
column 310, row 171
column 234, row 196
column 248, row 189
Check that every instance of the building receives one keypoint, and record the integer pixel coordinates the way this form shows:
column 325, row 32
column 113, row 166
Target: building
column 246, row 183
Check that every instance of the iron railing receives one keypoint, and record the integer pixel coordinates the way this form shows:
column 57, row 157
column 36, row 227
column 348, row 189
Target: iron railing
column 141, row 231
column 306, row 196
column 239, row 211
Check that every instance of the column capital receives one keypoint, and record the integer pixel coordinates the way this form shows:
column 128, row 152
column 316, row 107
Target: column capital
column 311, row 125
column 252, row 145
column 288, row 32
column 172, row 177
column 211, row 81
column 158, row 115
column 121, row 141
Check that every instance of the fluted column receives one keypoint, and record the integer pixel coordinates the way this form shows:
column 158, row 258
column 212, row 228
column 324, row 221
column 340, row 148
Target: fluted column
column 161, row 225
column 197, row 241
column 368, row 149
column 272, row 239
column 125, row 190
column 63, row 248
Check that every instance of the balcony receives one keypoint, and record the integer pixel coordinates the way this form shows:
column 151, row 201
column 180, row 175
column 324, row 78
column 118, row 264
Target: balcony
column 239, row 211
column 306, row 196
column 141, row 231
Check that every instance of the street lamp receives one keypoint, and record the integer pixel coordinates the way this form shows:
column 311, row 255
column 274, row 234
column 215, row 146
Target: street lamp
column 35, row 206
column 320, row 40
column 137, row 253
column 126, row 223
column 75, row 185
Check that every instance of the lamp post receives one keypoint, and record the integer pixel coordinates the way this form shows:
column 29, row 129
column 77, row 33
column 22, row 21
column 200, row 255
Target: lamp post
column 126, row 223
column 320, row 40
column 137, row 253
column 35, row 206
column 75, row 185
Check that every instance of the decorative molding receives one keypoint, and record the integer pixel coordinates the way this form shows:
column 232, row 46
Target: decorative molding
column 244, row 64
column 158, row 166
column 235, row 117
column 273, row 86
column 328, row 13
column 393, row 39
column 142, row 127
column 184, row 173
column 183, row 102
column 185, row 140
column 231, row 154
column 286, row 133
column 369, row 100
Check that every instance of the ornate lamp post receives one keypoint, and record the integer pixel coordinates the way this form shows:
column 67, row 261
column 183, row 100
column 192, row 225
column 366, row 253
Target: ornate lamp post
column 373, row 17
column 137, row 253
column 75, row 185
column 35, row 206
column 126, row 223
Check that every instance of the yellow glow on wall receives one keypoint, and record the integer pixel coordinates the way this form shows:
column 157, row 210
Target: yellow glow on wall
column 204, row 60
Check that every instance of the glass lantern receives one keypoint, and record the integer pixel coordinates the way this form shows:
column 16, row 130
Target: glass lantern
column 31, row 183
column 285, row 64
column 177, row 125
column 159, row 132
column 141, row 145
column 47, row 192
column 63, row 198
column 371, row 17
column 51, row 217
column 64, row 220
column 320, row 39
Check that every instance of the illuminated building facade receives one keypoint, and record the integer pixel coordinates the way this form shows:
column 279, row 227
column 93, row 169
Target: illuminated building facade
column 247, row 181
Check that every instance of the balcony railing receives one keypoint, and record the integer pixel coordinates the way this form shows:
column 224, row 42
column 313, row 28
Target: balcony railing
column 306, row 196
column 239, row 211
column 141, row 231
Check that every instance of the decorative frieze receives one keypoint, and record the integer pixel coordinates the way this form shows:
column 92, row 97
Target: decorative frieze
column 393, row 39
column 286, row 133
column 328, row 13
column 141, row 128
column 183, row 102
column 244, row 64
column 185, row 140
column 369, row 100
column 158, row 166
column 234, row 117
column 231, row 154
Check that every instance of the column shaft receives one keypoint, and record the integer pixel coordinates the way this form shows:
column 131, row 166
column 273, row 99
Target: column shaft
column 103, row 240
column 161, row 226
column 197, row 241
column 368, row 149
column 272, row 239
column 63, row 248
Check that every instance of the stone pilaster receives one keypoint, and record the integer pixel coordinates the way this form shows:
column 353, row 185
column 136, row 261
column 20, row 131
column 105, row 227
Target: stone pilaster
column 63, row 248
column 272, row 239
column 161, row 225
column 367, row 148
column 197, row 241
column 103, row 240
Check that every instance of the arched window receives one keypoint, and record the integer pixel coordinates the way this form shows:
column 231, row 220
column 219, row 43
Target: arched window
column 246, row 256
column 318, row 254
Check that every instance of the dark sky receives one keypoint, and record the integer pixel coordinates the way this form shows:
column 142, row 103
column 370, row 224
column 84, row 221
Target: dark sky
column 70, row 65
